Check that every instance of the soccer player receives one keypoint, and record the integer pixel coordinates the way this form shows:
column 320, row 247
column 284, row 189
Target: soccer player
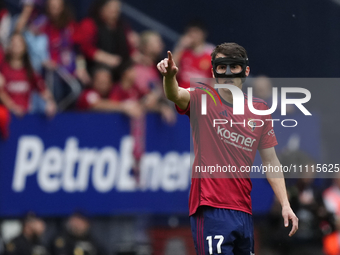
column 220, row 208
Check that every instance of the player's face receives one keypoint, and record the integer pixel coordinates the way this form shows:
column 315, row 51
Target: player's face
column 235, row 69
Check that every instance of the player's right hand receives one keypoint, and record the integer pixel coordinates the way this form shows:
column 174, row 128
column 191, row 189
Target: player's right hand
column 167, row 66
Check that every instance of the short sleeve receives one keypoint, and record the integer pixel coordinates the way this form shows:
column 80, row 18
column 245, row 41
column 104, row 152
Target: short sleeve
column 183, row 112
column 187, row 110
column 268, row 138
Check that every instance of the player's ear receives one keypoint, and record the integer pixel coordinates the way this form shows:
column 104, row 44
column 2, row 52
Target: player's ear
column 247, row 71
column 212, row 72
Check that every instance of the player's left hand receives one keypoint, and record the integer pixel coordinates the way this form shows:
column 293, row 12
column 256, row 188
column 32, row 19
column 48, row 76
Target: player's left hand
column 289, row 215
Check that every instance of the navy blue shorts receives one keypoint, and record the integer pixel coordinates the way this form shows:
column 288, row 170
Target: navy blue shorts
column 222, row 231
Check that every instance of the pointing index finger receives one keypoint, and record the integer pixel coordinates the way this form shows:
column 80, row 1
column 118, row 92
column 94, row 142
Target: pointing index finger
column 170, row 56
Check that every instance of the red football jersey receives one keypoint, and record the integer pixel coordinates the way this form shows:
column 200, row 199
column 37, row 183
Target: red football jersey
column 194, row 65
column 225, row 145
column 18, row 86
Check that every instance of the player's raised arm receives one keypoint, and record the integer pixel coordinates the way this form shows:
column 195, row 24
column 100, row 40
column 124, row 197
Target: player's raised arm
column 180, row 96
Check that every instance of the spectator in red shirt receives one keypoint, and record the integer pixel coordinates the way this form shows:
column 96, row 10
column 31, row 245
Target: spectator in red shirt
column 105, row 36
column 126, row 91
column 150, row 49
column 97, row 97
column 129, row 91
column 4, row 33
column 18, row 80
column 126, row 88
column 193, row 54
column 61, row 30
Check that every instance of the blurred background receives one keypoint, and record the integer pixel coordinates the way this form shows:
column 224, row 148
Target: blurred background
column 94, row 160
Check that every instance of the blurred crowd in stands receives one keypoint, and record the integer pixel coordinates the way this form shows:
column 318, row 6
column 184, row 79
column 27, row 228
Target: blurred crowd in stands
column 50, row 63
column 73, row 239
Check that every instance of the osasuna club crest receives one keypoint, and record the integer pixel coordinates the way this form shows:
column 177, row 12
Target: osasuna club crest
column 251, row 124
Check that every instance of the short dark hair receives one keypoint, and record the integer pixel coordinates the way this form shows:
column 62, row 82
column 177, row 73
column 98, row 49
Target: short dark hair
column 230, row 50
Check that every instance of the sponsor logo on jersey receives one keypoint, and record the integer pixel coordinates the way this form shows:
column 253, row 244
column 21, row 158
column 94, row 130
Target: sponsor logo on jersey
column 234, row 138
